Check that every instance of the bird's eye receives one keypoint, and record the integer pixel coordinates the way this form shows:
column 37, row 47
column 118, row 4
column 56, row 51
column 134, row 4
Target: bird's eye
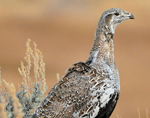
column 117, row 14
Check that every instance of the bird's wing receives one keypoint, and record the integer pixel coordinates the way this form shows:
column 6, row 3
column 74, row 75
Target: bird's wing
column 83, row 92
column 69, row 95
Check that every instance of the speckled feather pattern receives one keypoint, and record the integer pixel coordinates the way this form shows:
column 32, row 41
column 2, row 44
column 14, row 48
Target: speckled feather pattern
column 81, row 93
column 89, row 89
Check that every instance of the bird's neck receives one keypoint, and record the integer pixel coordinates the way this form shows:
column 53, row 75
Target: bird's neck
column 103, row 48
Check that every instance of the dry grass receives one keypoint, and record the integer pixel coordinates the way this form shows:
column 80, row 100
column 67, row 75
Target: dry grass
column 139, row 115
column 22, row 103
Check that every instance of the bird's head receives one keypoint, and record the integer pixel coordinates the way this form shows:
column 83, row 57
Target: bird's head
column 115, row 16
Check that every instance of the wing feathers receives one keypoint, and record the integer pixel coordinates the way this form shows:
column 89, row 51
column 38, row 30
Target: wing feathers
column 82, row 93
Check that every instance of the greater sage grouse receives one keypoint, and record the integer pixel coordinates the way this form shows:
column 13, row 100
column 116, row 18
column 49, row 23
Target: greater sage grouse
column 89, row 89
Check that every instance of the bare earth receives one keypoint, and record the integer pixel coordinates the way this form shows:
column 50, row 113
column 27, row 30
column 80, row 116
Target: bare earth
column 64, row 32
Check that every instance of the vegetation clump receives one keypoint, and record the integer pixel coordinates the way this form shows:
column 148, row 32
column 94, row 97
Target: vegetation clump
column 23, row 102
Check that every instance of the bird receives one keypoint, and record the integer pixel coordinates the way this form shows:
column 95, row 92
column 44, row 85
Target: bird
column 89, row 89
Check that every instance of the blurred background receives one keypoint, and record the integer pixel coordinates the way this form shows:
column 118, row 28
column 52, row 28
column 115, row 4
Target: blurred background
column 64, row 32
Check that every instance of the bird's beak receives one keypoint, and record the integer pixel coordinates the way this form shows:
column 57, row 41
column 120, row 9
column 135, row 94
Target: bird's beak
column 131, row 16
column 128, row 15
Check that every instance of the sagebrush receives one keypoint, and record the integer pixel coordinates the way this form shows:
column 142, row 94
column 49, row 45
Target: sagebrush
column 24, row 101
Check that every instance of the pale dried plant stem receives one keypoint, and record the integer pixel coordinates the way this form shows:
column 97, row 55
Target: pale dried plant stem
column 35, row 57
column 42, row 70
column 57, row 76
column 146, row 113
column 39, row 67
column 36, row 60
column 28, row 59
column 117, row 116
column 25, row 70
column 43, row 75
column 139, row 112
column 23, row 73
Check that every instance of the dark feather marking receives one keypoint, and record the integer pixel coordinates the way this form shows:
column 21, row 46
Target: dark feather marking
column 107, row 111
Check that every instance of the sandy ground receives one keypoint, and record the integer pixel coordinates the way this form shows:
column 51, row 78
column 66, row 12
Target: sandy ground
column 64, row 32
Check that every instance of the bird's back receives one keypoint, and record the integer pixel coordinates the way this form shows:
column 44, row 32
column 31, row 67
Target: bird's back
column 84, row 92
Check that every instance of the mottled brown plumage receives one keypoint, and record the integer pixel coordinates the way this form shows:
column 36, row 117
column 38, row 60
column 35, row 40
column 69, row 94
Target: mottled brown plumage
column 90, row 89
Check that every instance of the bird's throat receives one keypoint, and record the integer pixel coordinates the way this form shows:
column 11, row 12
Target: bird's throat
column 103, row 48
